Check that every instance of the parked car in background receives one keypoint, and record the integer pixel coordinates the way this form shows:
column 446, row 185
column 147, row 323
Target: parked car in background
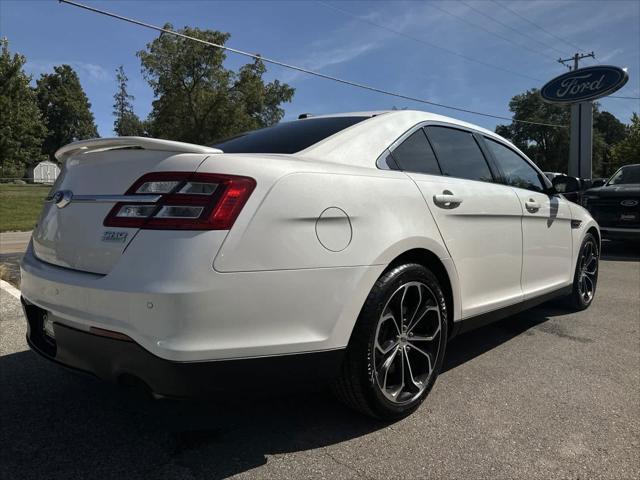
column 348, row 248
column 616, row 204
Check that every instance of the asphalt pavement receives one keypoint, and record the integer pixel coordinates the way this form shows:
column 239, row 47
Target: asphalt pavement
column 544, row 394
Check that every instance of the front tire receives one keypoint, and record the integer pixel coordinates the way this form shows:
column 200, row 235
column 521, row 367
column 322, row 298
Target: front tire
column 397, row 347
column 586, row 274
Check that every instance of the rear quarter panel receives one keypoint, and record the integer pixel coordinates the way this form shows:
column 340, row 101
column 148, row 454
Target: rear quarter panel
column 385, row 214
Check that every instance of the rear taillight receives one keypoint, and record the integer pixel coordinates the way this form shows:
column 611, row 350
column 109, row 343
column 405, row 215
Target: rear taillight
column 186, row 201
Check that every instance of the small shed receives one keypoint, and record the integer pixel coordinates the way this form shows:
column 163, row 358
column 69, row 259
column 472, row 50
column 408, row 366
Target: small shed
column 44, row 172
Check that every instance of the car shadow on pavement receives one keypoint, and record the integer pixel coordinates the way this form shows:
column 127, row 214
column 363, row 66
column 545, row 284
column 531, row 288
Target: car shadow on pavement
column 472, row 344
column 58, row 424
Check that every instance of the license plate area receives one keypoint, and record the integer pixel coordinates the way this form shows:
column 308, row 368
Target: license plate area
column 47, row 326
column 628, row 217
column 40, row 329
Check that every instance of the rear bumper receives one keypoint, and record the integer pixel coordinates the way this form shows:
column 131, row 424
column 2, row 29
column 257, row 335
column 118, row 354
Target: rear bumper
column 121, row 361
column 180, row 309
column 620, row 233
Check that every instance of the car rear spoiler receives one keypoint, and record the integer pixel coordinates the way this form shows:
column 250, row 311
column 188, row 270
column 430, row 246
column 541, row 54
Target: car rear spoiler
column 99, row 144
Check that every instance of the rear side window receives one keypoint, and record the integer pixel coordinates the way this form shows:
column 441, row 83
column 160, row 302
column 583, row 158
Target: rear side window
column 416, row 155
column 459, row 154
column 516, row 170
column 287, row 137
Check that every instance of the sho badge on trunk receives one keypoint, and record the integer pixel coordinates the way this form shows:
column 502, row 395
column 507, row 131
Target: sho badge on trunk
column 114, row 237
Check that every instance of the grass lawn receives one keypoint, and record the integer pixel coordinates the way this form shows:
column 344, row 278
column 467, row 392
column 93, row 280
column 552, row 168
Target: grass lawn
column 20, row 206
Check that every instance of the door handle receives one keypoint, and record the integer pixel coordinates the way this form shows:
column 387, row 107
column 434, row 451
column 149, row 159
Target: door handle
column 532, row 206
column 447, row 200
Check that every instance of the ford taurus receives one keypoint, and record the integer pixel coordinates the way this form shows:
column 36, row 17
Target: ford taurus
column 347, row 248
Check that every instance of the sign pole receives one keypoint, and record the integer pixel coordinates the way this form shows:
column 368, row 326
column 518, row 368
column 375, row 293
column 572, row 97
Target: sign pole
column 581, row 142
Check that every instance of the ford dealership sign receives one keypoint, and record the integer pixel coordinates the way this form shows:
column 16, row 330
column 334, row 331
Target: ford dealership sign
column 584, row 84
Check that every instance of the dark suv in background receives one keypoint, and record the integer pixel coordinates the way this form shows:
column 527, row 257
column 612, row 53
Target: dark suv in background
column 616, row 204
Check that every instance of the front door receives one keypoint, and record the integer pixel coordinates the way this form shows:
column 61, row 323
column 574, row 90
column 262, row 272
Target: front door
column 546, row 223
column 547, row 243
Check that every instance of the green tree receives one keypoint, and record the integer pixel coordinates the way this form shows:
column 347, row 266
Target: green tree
column 127, row 123
column 611, row 129
column 628, row 150
column 65, row 108
column 549, row 146
column 197, row 99
column 608, row 131
column 21, row 128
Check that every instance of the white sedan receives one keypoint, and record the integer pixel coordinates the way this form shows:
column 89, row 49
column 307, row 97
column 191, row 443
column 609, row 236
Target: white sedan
column 348, row 248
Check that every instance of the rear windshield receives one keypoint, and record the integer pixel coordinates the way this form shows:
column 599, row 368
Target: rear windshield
column 288, row 137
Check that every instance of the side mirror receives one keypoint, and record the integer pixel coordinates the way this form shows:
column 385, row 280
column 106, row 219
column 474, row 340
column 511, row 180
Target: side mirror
column 598, row 182
column 566, row 184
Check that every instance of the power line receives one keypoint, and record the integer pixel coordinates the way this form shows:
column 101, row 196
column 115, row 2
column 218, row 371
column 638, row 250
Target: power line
column 490, row 32
column 623, row 98
column 506, row 25
column 425, row 42
column 297, row 68
column 538, row 26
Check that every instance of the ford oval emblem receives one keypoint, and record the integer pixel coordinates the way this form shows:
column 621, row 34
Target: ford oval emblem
column 584, row 84
column 62, row 198
column 629, row 203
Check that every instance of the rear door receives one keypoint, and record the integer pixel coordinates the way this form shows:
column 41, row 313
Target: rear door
column 479, row 220
column 546, row 223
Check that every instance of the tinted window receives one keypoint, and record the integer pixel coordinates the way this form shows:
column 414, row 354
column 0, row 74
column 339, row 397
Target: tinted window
column 387, row 162
column 288, row 137
column 415, row 154
column 459, row 154
column 630, row 174
column 516, row 170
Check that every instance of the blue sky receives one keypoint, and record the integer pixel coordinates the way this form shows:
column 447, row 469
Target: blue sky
column 310, row 34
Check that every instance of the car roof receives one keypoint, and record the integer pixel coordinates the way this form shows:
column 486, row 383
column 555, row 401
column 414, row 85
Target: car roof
column 404, row 113
column 362, row 143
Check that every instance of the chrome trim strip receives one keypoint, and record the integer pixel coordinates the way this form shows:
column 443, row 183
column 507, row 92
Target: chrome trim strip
column 113, row 198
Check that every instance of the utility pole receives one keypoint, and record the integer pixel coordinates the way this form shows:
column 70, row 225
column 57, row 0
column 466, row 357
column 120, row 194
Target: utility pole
column 576, row 58
column 581, row 137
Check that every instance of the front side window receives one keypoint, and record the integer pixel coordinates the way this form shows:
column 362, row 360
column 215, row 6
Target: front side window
column 459, row 154
column 415, row 154
column 516, row 170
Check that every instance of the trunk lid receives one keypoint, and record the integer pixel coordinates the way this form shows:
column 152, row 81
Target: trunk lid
column 71, row 233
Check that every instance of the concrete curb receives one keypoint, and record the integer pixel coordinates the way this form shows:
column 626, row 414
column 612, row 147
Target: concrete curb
column 10, row 289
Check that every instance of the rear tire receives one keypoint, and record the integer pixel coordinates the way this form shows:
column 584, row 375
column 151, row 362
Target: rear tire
column 397, row 347
column 585, row 278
